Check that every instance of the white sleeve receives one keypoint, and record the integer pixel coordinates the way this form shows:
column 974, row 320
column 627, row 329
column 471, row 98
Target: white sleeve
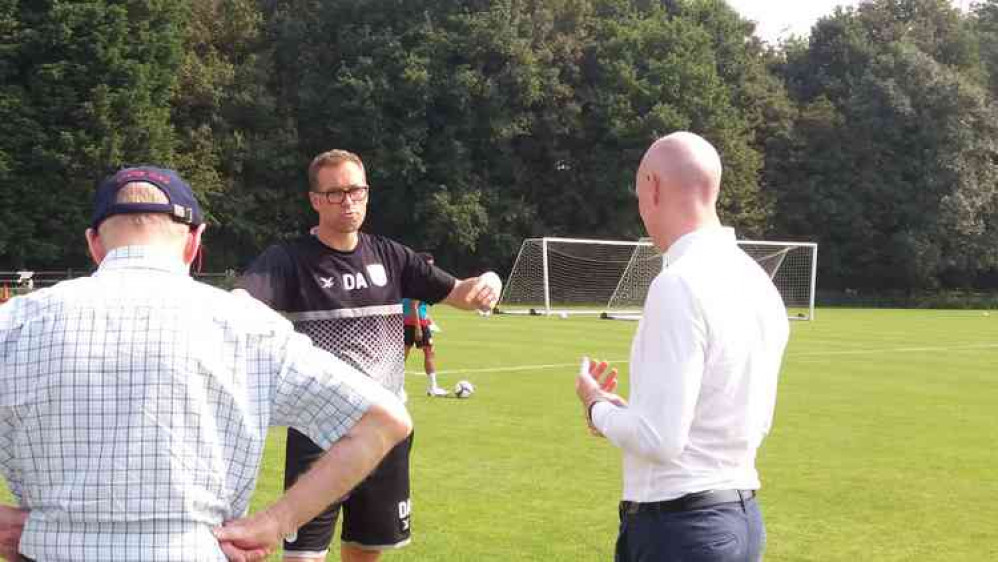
column 667, row 362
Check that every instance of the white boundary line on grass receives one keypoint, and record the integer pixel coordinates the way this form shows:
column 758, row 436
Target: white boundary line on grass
column 512, row 369
column 968, row 347
column 789, row 356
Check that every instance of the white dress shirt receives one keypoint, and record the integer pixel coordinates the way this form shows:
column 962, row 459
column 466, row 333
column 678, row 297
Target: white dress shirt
column 134, row 407
column 703, row 372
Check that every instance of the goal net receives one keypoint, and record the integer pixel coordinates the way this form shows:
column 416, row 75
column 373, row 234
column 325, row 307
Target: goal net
column 565, row 275
column 611, row 277
column 791, row 265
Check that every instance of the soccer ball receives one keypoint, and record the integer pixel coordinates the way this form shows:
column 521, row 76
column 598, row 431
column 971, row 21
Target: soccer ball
column 463, row 389
column 563, row 315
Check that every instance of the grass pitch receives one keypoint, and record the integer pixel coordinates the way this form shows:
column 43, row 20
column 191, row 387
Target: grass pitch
column 883, row 448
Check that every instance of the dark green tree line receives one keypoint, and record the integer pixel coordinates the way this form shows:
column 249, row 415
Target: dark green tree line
column 84, row 88
column 892, row 164
column 483, row 123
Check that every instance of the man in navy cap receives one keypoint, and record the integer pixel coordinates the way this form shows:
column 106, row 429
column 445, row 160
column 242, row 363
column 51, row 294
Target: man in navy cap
column 135, row 403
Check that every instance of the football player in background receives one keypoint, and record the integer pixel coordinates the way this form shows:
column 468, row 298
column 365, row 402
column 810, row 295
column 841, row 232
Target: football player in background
column 419, row 329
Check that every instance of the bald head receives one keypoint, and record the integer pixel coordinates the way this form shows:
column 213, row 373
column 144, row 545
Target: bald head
column 687, row 161
column 678, row 183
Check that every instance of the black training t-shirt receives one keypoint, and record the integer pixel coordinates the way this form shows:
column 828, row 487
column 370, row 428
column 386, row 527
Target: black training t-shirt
column 349, row 303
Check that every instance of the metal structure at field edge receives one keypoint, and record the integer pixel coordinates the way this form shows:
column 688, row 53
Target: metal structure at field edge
column 610, row 278
column 22, row 282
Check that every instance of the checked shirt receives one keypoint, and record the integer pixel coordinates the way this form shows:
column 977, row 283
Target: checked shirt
column 135, row 403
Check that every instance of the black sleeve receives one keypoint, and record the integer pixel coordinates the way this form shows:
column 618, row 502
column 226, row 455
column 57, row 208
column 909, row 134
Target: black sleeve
column 270, row 278
column 420, row 280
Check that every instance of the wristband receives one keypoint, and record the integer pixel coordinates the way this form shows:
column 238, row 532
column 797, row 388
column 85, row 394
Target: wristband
column 589, row 411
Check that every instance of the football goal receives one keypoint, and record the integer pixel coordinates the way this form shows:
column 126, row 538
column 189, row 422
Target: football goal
column 791, row 265
column 611, row 278
column 565, row 275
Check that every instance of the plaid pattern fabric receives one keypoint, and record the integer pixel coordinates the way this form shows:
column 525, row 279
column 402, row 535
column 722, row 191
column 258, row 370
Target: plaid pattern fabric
column 134, row 406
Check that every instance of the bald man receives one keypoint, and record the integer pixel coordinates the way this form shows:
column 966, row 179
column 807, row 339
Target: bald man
column 704, row 366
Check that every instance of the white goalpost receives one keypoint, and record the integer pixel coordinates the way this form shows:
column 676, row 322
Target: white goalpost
column 611, row 277
column 565, row 275
column 793, row 267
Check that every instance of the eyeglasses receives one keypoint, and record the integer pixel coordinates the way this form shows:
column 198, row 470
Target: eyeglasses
column 357, row 194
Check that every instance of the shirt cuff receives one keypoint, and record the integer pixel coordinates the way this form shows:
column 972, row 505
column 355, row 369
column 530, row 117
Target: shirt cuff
column 599, row 413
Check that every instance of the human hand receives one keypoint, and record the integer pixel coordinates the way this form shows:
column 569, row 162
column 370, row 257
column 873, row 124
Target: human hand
column 480, row 293
column 12, row 521
column 249, row 539
column 489, row 287
column 596, row 384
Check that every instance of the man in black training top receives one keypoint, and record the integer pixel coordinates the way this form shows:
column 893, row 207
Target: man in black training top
column 344, row 288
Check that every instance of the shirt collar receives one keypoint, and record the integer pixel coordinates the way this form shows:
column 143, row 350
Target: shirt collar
column 143, row 257
column 680, row 247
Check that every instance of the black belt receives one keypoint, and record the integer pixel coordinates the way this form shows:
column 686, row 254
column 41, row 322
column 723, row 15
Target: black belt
column 689, row 502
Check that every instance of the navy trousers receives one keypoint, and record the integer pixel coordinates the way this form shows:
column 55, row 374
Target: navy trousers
column 731, row 532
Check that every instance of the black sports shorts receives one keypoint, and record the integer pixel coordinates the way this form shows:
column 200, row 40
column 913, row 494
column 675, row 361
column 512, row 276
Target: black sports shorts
column 410, row 337
column 375, row 513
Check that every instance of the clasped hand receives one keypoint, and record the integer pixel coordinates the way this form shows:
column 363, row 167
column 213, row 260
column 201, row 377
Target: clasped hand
column 12, row 522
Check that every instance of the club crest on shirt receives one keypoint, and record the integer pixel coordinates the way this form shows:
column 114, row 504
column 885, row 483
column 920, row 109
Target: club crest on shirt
column 377, row 273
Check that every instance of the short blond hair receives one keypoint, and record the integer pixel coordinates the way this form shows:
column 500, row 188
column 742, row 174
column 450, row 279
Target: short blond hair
column 330, row 159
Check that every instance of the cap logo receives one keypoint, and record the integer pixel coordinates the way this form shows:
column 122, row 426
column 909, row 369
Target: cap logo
column 134, row 175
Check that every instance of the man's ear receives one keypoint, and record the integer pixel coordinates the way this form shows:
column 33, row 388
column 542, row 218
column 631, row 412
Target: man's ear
column 656, row 189
column 314, row 200
column 193, row 244
column 95, row 246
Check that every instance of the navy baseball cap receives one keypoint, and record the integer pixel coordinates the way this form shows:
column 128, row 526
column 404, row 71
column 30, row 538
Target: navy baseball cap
column 182, row 207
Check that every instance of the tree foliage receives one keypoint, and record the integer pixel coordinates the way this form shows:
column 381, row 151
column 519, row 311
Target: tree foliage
column 85, row 87
column 503, row 120
column 482, row 123
column 892, row 164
